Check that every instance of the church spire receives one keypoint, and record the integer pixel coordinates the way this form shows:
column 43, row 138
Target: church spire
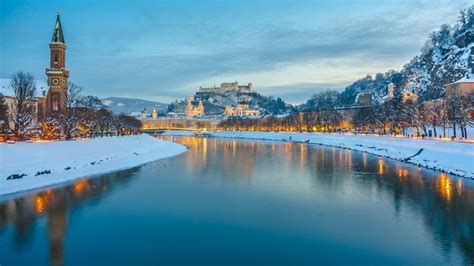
column 58, row 31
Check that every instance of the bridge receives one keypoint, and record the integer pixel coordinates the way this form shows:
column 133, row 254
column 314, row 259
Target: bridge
column 163, row 129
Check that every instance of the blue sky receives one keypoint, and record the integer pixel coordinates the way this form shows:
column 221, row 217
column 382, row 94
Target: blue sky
column 163, row 50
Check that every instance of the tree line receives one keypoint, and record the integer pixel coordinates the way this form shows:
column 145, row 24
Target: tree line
column 85, row 115
column 325, row 112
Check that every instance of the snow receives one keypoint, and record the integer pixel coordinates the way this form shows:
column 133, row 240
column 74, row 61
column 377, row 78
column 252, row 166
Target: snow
column 448, row 130
column 71, row 160
column 451, row 157
column 107, row 102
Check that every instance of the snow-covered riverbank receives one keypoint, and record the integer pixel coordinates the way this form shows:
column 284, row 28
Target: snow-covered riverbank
column 451, row 157
column 27, row 166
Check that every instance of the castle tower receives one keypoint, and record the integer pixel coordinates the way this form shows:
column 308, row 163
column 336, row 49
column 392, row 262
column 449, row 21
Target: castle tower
column 189, row 109
column 154, row 115
column 390, row 90
column 250, row 87
column 200, row 109
column 56, row 97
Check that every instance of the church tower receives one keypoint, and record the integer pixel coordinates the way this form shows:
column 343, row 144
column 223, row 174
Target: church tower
column 56, row 97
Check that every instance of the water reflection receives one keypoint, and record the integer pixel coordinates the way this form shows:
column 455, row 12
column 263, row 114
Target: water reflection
column 54, row 205
column 327, row 178
column 446, row 203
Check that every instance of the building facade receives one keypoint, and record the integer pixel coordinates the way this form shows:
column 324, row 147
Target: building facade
column 409, row 97
column 463, row 87
column 11, row 102
column 461, row 93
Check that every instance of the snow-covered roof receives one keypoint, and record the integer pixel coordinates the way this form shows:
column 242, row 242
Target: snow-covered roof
column 464, row 80
column 6, row 90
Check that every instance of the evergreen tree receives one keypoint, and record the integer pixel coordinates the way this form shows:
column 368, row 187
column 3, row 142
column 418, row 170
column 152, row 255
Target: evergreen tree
column 3, row 114
column 444, row 39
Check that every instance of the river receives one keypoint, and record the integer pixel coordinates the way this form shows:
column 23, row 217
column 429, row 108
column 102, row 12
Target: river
column 230, row 202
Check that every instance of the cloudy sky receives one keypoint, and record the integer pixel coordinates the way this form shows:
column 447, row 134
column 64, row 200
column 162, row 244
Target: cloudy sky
column 165, row 49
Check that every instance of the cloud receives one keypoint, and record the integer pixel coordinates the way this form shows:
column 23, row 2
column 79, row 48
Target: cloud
column 299, row 92
column 168, row 49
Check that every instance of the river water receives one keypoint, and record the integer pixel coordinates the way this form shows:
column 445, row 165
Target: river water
column 246, row 202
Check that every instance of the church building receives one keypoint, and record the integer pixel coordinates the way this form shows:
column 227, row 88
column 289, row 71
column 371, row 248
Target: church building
column 54, row 101
column 192, row 111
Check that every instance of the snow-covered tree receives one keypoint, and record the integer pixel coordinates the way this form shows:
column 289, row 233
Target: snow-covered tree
column 67, row 121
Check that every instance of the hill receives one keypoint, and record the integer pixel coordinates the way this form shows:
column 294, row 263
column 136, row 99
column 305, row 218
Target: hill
column 446, row 57
column 216, row 99
column 120, row 105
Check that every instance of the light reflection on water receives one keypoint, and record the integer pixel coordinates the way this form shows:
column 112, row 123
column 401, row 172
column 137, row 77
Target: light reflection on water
column 329, row 205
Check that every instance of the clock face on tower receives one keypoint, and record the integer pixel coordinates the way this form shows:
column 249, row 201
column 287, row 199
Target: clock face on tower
column 55, row 82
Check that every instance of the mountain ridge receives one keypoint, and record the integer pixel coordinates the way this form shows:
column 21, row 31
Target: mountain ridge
column 127, row 105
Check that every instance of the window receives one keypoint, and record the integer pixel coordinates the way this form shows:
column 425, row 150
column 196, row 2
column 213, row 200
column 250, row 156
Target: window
column 55, row 58
column 55, row 103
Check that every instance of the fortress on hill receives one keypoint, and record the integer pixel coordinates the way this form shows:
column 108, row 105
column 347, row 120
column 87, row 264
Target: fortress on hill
column 228, row 87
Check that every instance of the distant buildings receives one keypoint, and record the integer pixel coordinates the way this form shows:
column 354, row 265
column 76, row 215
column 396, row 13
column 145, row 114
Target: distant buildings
column 366, row 98
column 144, row 115
column 242, row 109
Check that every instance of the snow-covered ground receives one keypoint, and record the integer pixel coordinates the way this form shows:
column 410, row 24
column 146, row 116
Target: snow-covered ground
column 50, row 163
column 449, row 132
column 451, row 157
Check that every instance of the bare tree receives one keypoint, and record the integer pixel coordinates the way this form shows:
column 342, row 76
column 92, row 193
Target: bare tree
column 24, row 88
column 89, row 116
column 71, row 119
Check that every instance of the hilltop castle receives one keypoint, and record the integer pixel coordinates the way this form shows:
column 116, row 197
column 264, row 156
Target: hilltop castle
column 228, row 87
